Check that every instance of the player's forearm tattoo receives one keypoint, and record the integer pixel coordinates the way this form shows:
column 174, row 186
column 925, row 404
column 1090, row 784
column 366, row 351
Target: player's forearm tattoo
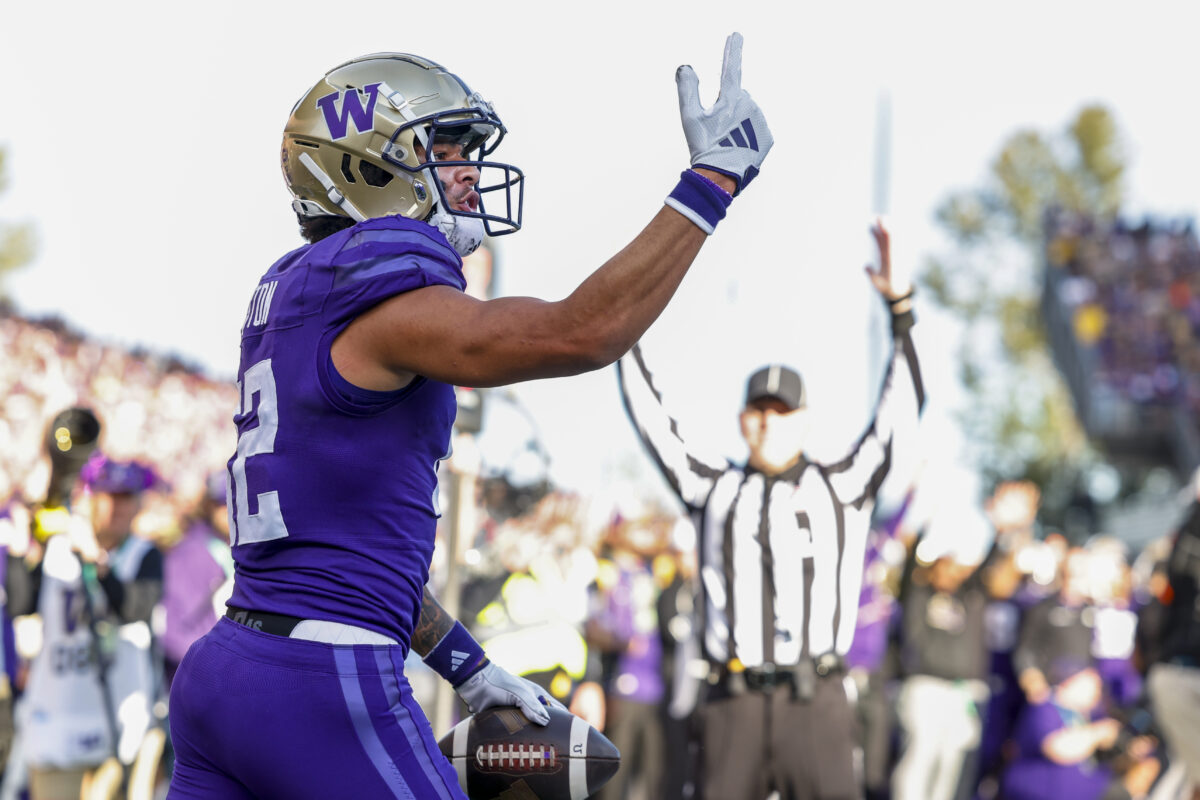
column 432, row 626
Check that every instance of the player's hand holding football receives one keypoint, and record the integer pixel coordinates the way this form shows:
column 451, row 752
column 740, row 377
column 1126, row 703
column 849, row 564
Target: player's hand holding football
column 493, row 686
column 732, row 137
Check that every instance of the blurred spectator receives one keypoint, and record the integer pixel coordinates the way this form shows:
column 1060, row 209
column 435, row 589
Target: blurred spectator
column 1174, row 682
column 869, row 660
column 87, row 708
column 1059, row 627
column 529, row 607
column 1012, row 510
column 14, row 529
column 623, row 629
column 944, row 668
column 1116, row 620
column 1065, row 743
column 198, row 575
column 1151, row 597
column 676, row 571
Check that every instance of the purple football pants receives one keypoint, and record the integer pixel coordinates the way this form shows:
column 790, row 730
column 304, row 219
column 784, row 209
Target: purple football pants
column 255, row 715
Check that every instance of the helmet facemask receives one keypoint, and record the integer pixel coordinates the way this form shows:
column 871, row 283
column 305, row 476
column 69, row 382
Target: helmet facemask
column 478, row 132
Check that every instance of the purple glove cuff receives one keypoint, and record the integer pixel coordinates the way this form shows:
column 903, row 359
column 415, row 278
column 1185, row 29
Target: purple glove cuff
column 700, row 200
column 457, row 656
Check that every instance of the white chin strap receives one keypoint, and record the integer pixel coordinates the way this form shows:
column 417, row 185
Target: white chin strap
column 336, row 197
column 465, row 234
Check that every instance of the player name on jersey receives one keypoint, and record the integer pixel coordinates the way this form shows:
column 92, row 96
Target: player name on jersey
column 260, row 304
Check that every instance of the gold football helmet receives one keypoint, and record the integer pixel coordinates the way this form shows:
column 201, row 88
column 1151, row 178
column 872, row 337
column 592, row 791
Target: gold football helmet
column 358, row 144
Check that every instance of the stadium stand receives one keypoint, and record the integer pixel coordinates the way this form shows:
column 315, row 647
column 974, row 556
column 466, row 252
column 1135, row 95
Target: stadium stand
column 1121, row 302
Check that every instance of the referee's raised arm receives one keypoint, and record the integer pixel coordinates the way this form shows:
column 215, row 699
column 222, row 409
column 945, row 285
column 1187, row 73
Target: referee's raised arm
column 690, row 475
column 859, row 474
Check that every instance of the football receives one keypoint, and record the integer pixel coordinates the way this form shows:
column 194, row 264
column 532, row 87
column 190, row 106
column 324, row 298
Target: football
column 500, row 755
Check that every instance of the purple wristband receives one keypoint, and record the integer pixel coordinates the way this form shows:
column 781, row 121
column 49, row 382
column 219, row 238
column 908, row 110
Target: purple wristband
column 457, row 656
column 728, row 198
column 700, row 200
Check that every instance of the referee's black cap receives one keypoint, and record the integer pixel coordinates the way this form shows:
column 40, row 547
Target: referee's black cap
column 782, row 383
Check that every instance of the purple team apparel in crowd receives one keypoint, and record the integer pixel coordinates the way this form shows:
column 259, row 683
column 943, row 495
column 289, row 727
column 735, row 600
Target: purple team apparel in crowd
column 1033, row 776
column 191, row 574
column 323, row 529
column 876, row 606
column 638, row 674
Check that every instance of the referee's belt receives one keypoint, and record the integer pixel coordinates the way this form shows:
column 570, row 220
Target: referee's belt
column 313, row 630
column 766, row 677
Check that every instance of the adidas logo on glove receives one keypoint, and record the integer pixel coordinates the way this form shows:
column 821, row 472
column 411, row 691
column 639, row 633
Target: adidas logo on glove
column 749, row 140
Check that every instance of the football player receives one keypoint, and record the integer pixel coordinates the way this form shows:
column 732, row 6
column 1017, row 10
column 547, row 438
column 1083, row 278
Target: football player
column 351, row 347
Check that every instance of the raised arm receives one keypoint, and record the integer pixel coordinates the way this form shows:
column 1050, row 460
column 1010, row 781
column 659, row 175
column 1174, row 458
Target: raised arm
column 690, row 475
column 881, row 276
column 446, row 335
column 857, row 477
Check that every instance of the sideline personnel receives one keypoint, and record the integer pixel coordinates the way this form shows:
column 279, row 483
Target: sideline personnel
column 781, row 548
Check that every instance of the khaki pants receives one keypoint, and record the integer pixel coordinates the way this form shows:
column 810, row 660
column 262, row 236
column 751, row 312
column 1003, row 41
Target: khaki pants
column 79, row 783
column 1175, row 694
column 103, row 782
column 7, row 724
column 942, row 727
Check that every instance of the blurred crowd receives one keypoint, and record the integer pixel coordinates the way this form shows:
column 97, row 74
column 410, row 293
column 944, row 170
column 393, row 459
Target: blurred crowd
column 139, row 571
column 1017, row 665
column 154, row 408
column 1133, row 291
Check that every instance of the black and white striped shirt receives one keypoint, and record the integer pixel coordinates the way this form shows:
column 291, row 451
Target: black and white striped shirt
column 781, row 558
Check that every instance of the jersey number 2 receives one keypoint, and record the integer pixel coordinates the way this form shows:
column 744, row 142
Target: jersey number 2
column 267, row 524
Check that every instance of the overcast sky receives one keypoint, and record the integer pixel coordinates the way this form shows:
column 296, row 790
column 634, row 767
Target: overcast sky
column 143, row 142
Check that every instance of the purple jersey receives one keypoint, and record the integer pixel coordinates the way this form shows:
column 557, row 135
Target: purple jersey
column 191, row 576
column 630, row 614
column 333, row 509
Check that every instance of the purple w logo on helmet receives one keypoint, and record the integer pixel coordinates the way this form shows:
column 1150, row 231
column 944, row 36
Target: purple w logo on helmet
column 339, row 120
column 749, row 140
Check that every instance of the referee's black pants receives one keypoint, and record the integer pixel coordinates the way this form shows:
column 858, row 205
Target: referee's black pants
column 755, row 741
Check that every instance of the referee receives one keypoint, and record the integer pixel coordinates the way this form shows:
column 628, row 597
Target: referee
column 781, row 549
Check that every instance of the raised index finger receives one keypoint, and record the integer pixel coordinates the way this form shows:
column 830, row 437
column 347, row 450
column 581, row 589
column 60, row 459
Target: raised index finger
column 731, row 65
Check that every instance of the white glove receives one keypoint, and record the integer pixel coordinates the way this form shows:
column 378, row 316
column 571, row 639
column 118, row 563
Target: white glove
column 732, row 137
column 492, row 686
